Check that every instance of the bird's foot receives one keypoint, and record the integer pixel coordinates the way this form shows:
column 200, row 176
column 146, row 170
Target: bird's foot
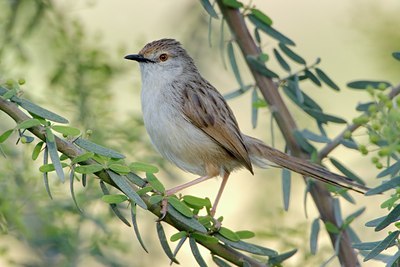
column 164, row 209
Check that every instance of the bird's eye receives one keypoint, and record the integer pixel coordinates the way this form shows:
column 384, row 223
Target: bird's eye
column 163, row 57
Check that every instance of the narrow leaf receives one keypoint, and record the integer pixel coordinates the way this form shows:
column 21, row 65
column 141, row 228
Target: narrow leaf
column 142, row 167
column 52, row 147
column 312, row 77
column 314, row 137
column 393, row 216
column 125, row 186
column 5, row 135
column 178, row 247
column 245, row 234
column 204, row 238
column 71, row 188
column 29, row 123
column 260, row 67
column 331, row 228
column 136, row 179
column 384, row 244
column 39, row 111
column 164, row 243
column 190, row 222
column 237, row 92
column 232, row 60
column 114, row 199
column 155, row 183
column 364, row 84
column 269, row 30
column 119, row 168
column 392, row 170
column 197, row 202
column 100, row 150
column 87, row 169
column 209, row 8
column 83, row 157
column 220, row 262
column 244, row 246
column 322, row 117
column 178, row 235
column 254, row 109
column 325, row 78
column 9, row 93
column 391, row 184
column 365, row 245
column 229, row 234
column 232, row 3
column 45, row 174
column 66, row 130
column 291, row 54
column 261, row 16
column 181, row 207
column 281, row 61
column 314, row 236
column 196, row 252
column 396, row 55
column 348, row 173
column 136, row 227
column 36, row 150
column 286, row 185
column 281, row 257
column 114, row 207
column 375, row 222
column 154, row 199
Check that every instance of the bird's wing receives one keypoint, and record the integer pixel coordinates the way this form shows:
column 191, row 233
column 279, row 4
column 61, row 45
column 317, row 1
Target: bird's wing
column 206, row 108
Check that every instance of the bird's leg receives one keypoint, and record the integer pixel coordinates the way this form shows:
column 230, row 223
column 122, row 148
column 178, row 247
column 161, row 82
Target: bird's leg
column 221, row 189
column 178, row 188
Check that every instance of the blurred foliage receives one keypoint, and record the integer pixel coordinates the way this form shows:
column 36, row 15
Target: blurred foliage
column 78, row 74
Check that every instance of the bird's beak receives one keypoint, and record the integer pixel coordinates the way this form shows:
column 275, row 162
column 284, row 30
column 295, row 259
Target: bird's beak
column 138, row 58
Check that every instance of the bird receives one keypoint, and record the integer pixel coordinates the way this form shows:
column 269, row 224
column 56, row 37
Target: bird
column 191, row 125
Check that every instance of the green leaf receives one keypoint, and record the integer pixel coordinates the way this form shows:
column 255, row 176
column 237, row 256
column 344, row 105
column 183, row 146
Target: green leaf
column 181, row 207
column 9, row 93
column 4, row 136
column 136, row 227
column 119, row 168
column 39, row 111
column 232, row 60
column 196, row 202
column 232, row 3
column 254, row 110
column 144, row 190
column 314, row 236
column 314, row 137
column 189, row 222
column 269, row 30
column 52, row 147
column 260, row 67
column 154, row 199
column 114, row 199
column 331, row 228
column 46, row 168
column 281, row 257
column 322, row 117
column 164, row 242
column 303, row 142
column 396, row 55
column 349, row 219
column 83, row 157
column 229, row 234
column 363, row 84
column 220, row 262
column 393, row 216
column 291, row 54
column 281, row 61
column 179, row 246
column 36, row 150
column 245, row 234
column 100, row 150
column 325, row 78
column 136, row 179
column 87, row 169
column 29, row 123
column 45, row 174
column 312, row 77
column 286, row 185
column 237, row 92
column 66, row 130
column 71, row 188
column 196, row 252
column 392, row 170
column 346, row 171
column 142, row 167
column 126, row 187
column 244, row 246
column 204, row 238
column 155, row 183
column 261, row 16
column 178, row 236
column 209, row 8
column 365, row 245
column 384, row 244
column 114, row 207
column 392, row 183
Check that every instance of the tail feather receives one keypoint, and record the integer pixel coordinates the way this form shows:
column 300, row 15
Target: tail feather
column 260, row 154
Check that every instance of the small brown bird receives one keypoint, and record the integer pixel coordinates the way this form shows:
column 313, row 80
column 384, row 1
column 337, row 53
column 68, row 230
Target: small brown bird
column 190, row 123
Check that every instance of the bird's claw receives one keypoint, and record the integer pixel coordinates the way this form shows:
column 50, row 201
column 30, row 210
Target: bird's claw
column 164, row 209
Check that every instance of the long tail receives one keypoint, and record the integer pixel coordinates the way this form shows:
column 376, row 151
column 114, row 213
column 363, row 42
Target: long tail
column 261, row 154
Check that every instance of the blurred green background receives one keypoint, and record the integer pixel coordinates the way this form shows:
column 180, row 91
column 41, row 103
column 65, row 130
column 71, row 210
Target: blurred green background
column 71, row 54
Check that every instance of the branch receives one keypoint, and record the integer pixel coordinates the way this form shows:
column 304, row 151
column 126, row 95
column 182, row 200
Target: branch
column 287, row 125
column 72, row 151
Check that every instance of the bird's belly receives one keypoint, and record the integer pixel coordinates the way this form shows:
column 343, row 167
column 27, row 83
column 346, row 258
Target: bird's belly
column 178, row 140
